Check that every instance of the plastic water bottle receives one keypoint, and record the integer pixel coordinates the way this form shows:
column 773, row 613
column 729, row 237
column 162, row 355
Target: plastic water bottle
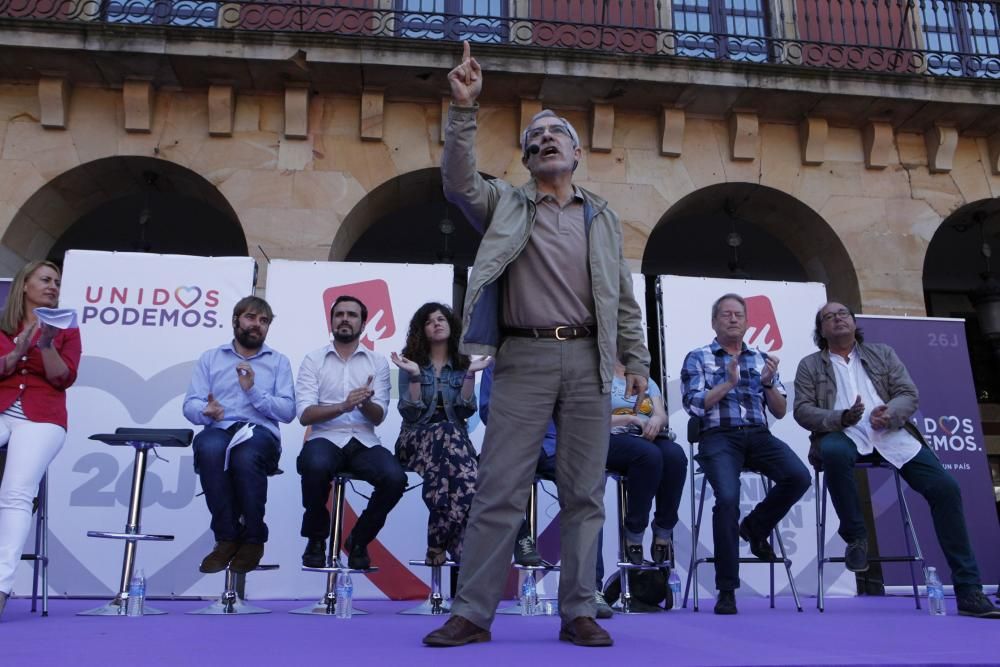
column 136, row 594
column 675, row 589
column 529, row 595
column 935, row 593
column 345, row 595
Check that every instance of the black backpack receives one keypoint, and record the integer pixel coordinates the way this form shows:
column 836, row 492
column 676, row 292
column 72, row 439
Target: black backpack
column 649, row 588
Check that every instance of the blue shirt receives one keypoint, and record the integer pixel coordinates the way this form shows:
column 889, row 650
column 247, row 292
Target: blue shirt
column 744, row 405
column 270, row 400
column 485, row 389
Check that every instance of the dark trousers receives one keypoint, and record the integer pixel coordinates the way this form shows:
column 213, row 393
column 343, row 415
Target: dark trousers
column 318, row 463
column 925, row 475
column 236, row 497
column 723, row 453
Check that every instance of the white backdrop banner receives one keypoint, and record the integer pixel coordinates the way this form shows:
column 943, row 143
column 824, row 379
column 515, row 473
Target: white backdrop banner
column 781, row 319
column 144, row 320
column 301, row 294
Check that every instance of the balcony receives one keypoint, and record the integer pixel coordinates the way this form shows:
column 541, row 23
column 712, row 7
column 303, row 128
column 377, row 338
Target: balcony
column 933, row 38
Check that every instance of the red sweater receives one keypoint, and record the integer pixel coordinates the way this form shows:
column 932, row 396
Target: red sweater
column 42, row 400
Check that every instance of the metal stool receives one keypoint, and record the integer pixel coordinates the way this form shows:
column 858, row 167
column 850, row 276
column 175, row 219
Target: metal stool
column 436, row 603
column 233, row 599
column 326, row 606
column 694, row 433
column 909, row 533
column 624, row 565
column 532, row 570
column 142, row 439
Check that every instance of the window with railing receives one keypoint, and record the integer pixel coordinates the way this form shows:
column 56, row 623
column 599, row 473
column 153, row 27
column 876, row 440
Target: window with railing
column 723, row 29
column 473, row 20
column 162, row 12
column 962, row 38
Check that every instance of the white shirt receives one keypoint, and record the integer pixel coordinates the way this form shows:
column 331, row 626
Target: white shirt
column 895, row 445
column 325, row 378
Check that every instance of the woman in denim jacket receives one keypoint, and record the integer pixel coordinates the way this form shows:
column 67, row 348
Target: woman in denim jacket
column 436, row 397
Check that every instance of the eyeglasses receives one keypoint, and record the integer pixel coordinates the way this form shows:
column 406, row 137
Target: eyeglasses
column 842, row 314
column 536, row 133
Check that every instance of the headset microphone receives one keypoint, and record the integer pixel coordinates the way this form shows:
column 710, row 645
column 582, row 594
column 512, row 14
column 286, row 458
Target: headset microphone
column 534, row 149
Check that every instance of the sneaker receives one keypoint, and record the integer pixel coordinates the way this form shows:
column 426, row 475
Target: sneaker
column 633, row 554
column 315, row 553
column 218, row 559
column 725, row 603
column 856, row 555
column 526, row 553
column 604, row 610
column 975, row 603
column 3, row 602
column 662, row 553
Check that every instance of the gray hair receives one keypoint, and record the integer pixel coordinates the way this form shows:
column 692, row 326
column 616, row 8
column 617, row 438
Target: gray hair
column 549, row 113
column 734, row 297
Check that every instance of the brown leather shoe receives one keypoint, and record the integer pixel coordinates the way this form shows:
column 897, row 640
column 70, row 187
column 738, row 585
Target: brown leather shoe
column 584, row 631
column 457, row 631
column 218, row 560
column 247, row 558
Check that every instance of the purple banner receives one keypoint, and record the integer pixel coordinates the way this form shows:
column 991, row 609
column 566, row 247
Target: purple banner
column 935, row 353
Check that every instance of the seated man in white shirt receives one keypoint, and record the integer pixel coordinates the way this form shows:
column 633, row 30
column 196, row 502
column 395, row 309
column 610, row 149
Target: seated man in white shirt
column 342, row 392
column 857, row 399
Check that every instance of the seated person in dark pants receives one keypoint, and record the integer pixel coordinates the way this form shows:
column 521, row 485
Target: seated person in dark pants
column 241, row 383
column 342, row 392
column 641, row 448
column 857, row 398
column 728, row 386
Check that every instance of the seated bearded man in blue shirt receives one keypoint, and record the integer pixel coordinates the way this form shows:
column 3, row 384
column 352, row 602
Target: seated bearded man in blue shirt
column 242, row 386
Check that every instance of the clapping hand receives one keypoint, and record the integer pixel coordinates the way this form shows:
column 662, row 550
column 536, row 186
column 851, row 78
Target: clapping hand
column 407, row 365
column 214, row 410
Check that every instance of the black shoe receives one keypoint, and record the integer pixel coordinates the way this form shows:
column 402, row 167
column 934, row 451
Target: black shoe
column 975, row 603
column 759, row 546
column 662, row 554
column 315, row 553
column 526, row 553
column 856, row 555
column 725, row 603
column 357, row 555
column 633, row 554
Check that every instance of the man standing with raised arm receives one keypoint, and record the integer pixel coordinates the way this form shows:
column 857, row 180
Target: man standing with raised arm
column 551, row 296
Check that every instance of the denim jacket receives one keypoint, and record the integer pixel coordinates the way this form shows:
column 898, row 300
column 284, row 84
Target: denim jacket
column 420, row 411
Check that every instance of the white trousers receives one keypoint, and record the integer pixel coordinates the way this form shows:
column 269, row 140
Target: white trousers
column 31, row 446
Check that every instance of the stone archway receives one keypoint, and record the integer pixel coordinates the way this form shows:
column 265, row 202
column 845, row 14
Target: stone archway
column 406, row 220
column 99, row 206
column 954, row 268
column 779, row 238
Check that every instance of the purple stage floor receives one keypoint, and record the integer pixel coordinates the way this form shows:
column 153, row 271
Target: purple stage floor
column 852, row 631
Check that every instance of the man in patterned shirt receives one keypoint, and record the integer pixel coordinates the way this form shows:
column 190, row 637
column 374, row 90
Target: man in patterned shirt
column 728, row 386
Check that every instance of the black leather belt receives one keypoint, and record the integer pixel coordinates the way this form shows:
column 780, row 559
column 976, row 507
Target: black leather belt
column 558, row 333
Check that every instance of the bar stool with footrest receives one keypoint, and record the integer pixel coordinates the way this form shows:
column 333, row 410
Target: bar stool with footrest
column 233, row 599
column 532, row 570
column 694, row 433
column 625, row 566
column 436, row 604
column 913, row 553
column 326, row 606
column 142, row 440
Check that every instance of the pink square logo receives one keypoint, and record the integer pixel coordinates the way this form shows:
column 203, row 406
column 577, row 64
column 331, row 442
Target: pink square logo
column 375, row 295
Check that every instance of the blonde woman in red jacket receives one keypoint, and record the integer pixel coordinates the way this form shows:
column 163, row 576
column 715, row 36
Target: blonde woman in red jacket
column 37, row 364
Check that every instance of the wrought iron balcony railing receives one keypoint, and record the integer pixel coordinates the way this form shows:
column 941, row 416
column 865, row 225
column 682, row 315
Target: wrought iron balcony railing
column 957, row 38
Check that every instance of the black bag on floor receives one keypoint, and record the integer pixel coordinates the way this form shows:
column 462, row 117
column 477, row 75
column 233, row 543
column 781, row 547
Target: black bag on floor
column 649, row 588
